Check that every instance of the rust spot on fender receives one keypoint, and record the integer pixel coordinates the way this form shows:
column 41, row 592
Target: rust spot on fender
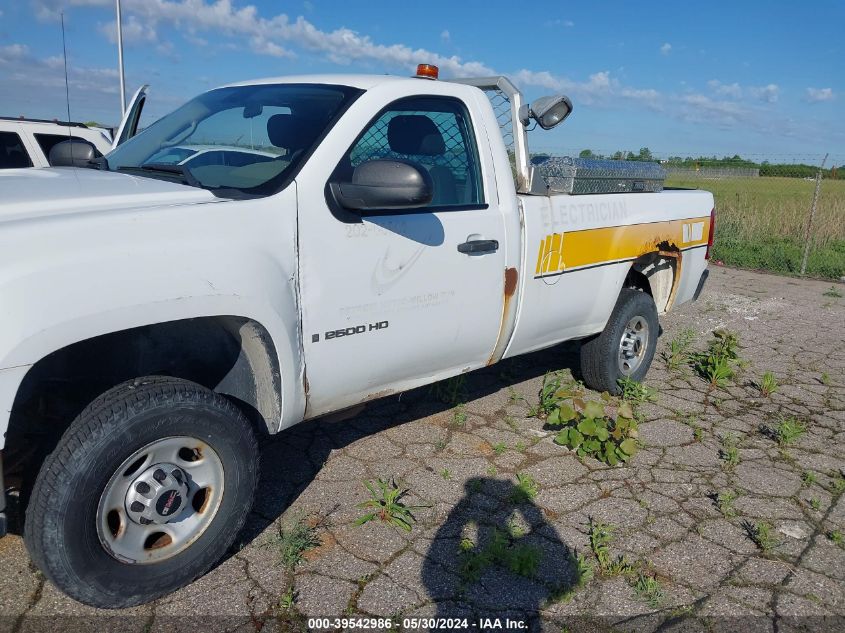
column 511, row 277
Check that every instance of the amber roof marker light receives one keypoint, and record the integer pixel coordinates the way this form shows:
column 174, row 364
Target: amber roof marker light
column 427, row 71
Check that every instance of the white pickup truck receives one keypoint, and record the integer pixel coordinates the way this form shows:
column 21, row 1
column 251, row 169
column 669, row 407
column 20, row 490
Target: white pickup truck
column 375, row 234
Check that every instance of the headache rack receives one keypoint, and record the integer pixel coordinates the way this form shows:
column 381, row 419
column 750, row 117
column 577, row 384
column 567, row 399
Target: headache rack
column 547, row 175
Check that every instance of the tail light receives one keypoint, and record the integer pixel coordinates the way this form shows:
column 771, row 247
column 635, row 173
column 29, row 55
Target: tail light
column 711, row 234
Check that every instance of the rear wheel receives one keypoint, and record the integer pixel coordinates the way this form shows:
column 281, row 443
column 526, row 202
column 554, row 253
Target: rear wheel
column 145, row 492
column 626, row 346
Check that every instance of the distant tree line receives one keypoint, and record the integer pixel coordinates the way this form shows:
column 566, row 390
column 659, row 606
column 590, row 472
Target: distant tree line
column 791, row 170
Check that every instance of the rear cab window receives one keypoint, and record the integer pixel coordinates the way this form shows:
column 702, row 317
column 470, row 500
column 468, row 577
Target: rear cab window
column 13, row 153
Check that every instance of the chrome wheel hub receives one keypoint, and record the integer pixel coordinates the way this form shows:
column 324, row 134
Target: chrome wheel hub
column 633, row 345
column 161, row 499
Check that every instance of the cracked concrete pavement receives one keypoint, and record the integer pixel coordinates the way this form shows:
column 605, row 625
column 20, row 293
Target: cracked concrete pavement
column 462, row 467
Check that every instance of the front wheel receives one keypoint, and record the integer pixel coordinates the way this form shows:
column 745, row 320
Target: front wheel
column 145, row 492
column 626, row 346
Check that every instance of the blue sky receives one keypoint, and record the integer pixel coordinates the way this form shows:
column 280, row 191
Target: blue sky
column 761, row 79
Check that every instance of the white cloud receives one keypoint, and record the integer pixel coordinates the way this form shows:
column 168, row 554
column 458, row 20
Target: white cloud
column 814, row 95
column 134, row 31
column 727, row 90
column 768, row 93
column 13, row 52
column 265, row 47
column 222, row 23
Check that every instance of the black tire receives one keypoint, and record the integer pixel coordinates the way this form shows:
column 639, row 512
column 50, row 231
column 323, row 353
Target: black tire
column 599, row 355
column 61, row 526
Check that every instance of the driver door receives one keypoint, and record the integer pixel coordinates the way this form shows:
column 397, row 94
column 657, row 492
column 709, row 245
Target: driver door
column 395, row 299
column 129, row 124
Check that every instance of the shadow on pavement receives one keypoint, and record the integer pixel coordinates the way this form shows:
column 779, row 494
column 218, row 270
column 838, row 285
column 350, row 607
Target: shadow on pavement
column 495, row 556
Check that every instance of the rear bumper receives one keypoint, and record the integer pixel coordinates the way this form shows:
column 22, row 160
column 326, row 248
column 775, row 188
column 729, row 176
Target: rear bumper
column 701, row 282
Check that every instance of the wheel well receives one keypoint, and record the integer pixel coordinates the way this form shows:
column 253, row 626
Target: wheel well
column 231, row 355
column 655, row 274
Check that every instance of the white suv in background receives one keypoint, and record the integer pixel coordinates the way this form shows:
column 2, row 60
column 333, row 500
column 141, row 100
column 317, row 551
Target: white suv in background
column 27, row 142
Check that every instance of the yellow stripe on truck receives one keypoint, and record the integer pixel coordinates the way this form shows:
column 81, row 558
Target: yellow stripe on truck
column 605, row 245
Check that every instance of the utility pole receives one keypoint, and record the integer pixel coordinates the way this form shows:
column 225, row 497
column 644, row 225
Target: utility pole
column 120, row 62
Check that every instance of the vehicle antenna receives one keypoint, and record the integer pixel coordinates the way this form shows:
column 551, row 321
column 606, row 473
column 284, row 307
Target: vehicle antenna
column 67, row 88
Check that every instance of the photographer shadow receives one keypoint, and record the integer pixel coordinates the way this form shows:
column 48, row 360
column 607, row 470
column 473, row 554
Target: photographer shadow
column 496, row 557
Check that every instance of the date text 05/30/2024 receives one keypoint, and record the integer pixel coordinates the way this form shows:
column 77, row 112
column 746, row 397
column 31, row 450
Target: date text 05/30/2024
column 419, row 624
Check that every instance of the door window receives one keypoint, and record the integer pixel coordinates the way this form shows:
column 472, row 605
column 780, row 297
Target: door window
column 12, row 152
column 433, row 132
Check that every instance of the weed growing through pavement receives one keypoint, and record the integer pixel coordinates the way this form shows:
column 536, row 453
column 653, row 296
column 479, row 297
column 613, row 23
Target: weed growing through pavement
column 647, row 587
column 492, row 471
column 601, row 535
column 502, row 549
column 832, row 292
column 725, row 502
column 287, row 599
column 808, row 478
column 386, row 505
column 729, row 452
column 548, row 394
column 678, row 353
column 787, row 431
column 450, row 390
column 520, row 446
column 836, row 538
column 768, row 384
column 590, row 428
column 446, row 474
column 815, row 504
column 583, row 573
column 499, row 448
column 718, row 363
column 514, row 396
column 515, row 529
column 761, row 534
column 636, row 392
column 459, row 415
column 292, row 543
column 837, row 483
column 825, row 379
column 526, row 489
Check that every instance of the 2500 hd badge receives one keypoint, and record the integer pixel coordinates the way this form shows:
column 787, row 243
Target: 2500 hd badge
column 350, row 331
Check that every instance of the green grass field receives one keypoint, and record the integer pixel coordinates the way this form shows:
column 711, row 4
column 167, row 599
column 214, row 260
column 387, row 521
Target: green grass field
column 761, row 223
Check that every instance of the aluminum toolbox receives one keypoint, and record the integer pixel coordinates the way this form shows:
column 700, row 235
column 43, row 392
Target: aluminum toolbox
column 590, row 175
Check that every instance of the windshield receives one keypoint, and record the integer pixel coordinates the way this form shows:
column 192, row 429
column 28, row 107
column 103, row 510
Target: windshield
column 243, row 138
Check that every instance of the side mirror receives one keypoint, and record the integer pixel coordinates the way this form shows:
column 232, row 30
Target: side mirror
column 547, row 111
column 72, row 154
column 385, row 185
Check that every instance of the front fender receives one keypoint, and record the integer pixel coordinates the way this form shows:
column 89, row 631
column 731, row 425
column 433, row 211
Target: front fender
column 101, row 273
